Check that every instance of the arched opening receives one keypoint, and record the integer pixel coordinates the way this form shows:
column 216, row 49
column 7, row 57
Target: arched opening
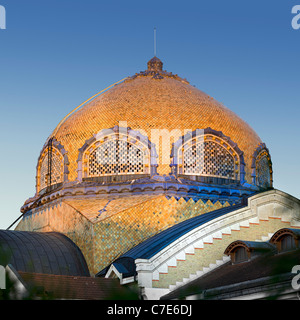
column 208, row 156
column 116, row 155
column 52, row 168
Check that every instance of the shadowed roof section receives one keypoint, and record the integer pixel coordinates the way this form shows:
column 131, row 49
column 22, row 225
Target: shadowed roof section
column 232, row 278
column 48, row 286
column 42, row 252
column 153, row 245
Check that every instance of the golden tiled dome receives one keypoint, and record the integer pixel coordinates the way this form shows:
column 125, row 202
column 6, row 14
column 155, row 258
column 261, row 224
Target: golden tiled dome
column 154, row 99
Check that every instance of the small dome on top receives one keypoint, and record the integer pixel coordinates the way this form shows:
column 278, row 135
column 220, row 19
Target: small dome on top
column 155, row 64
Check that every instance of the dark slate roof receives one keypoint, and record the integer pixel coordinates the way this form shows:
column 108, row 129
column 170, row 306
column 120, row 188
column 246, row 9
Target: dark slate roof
column 252, row 245
column 296, row 232
column 41, row 252
column 156, row 243
column 48, row 286
column 258, row 245
column 240, row 275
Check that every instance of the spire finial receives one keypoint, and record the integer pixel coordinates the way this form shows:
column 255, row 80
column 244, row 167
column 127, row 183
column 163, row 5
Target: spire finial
column 154, row 41
column 155, row 64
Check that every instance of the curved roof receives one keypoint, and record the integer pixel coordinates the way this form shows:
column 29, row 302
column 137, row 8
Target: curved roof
column 249, row 245
column 285, row 231
column 42, row 252
column 153, row 245
column 153, row 99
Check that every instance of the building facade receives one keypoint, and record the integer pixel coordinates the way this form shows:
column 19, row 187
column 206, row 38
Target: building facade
column 152, row 179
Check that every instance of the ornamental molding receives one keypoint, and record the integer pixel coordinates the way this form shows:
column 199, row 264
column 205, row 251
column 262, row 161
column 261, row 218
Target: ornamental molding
column 170, row 188
column 234, row 245
column 284, row 232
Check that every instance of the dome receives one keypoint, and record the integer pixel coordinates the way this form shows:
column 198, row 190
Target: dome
column 152, row 103
column 42, row 252
column 141, row 156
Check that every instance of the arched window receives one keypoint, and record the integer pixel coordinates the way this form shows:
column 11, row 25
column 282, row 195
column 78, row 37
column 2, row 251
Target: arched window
column 287, row 243
column 243, row 251
column 240, row 255
column 53, row 175
column 238, row 251
column 263, row 175
column 286, row 239
column 50, row 169
column 262, row 167
column 117, row 154
column 207, row 156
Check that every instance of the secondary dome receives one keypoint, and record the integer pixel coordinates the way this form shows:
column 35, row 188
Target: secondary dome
column 155, row 104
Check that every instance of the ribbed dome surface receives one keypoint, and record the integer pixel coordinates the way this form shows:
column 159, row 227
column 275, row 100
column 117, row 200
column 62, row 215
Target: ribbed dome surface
column 42, row 252
column 154, row 101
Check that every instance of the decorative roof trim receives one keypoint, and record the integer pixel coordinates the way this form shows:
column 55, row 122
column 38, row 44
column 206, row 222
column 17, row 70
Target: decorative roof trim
column 295, row 233
column 248, row 245
column 199, row 191
column 155, row 71
column 261, row 147
column 234, row 245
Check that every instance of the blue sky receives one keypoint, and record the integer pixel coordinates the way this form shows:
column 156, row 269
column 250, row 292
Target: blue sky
column 56, row 54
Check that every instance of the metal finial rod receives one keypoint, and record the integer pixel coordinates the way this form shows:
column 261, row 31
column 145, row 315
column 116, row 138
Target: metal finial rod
column 154, row 42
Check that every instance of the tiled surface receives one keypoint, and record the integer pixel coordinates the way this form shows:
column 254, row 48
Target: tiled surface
column 122, row 231
column 99, row 209
column 124, row 223
column 61, row 217
column 76, row 288
column 146, row 103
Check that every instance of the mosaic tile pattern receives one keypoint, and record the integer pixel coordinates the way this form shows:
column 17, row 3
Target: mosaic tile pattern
column 122, row 231
column 145, row 104
column 127, row 222
column 263, row 172
column 56, row 171
column 62, row 217
column 116, row 157
column 97, row 210
column 208, row 158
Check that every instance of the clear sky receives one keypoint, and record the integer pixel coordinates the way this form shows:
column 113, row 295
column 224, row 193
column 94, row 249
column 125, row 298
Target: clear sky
column 56, row 54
